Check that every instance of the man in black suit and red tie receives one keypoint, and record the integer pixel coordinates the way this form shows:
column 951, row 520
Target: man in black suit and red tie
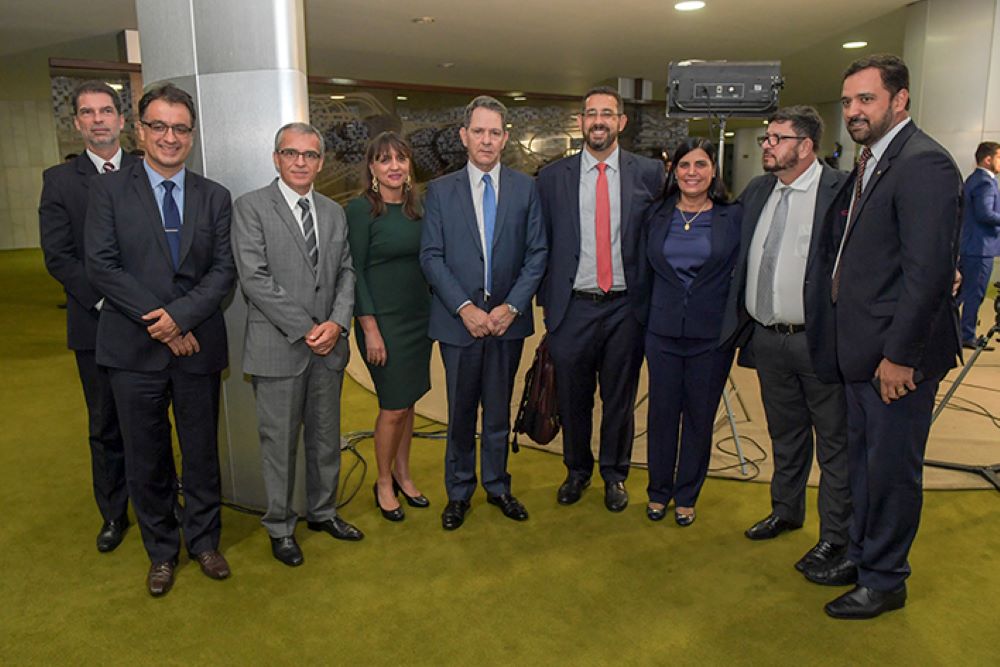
column 157, row 239
column 97, row 115
column 595, row 294
column 896, row 326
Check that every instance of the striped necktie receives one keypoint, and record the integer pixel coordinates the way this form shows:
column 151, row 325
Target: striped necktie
column 309, row 231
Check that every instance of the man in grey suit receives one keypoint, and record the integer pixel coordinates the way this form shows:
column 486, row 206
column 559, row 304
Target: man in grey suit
column 777, row 311
column 483, row 252
column 294, row 266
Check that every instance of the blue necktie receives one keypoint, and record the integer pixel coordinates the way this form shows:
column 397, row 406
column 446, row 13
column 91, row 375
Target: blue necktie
column 489, row 222
column 172, row 222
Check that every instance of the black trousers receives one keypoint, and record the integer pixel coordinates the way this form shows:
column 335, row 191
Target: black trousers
column 107, row 451
column 479, row 374
column 797, row 406
column 886, row 445
column 143, row 400
column 597, row 343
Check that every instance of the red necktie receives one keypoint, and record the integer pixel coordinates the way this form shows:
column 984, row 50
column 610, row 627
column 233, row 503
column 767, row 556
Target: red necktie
column 109, row 167
column 602, row 229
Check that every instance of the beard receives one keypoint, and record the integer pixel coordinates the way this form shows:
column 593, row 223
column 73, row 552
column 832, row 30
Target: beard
column 866, row 131
column 778, row 165
column 610, row 136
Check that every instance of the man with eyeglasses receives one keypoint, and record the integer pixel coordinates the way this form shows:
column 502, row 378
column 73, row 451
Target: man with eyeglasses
column 98, row 117
column 294, row 266
column 595, row 294
column 157, row 240
column 777, row 313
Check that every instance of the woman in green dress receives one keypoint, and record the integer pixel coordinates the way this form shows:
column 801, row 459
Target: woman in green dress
column 392, row 305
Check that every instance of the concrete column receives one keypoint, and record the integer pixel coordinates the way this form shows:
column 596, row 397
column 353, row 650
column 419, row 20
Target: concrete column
column 952, row 48
column 245, row 65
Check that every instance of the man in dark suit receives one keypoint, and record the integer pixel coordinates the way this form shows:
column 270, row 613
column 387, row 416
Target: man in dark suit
column 294, row 264
column 980, row 236
column 483, row 253
column 97, row 111
column 782, row 300
column 896, row 326
column 596, row 292
column 157, row 239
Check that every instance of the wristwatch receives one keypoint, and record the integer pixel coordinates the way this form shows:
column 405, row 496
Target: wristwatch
column 513, row 311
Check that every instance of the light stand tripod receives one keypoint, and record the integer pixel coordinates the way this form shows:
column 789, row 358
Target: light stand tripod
column 991, row 473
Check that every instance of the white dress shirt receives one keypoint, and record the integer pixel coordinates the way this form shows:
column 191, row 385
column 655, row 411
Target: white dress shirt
column 98, row 161
column 793, row 251
column 476, row 183
column 292, row 199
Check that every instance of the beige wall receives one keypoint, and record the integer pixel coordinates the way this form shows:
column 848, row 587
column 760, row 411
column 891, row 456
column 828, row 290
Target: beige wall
column 27, row 132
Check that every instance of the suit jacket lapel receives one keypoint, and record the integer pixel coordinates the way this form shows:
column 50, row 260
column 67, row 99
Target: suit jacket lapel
column 463, row 192
column 881, row 167
column 324, row 232
column 502, row 202
column 754, row 206
column 718, row 240
column 192, row 212
column 825, row 195
column 291, row 224
column 571, row 183
column 626, row 181
column 143, row 190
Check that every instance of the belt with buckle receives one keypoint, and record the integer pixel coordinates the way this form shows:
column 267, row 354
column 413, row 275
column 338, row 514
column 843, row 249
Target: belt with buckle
column 599, row 297
column 786, row 329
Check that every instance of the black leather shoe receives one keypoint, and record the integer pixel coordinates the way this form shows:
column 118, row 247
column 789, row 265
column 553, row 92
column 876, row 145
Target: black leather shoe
column 863, row 602
column 510, row 506
column 842, row 572
column 391, row 515
column 412, row 501
column 287, row 550
column 571, row 490
column 615, row 496
column 454, row 514
column 684, row 520
column 160, row 579
column 769, row 528
column 820, row 556
column 112, row 533
column 338, row 528
column 656, row 513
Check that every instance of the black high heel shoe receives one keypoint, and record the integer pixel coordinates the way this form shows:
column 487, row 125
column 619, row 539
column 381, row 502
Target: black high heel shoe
column 412, row 501
column 392, row 515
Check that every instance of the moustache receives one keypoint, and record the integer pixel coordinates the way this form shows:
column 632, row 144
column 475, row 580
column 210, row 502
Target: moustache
column 857, row 119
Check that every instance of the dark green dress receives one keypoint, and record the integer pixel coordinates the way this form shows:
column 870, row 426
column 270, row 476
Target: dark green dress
column 391, row 286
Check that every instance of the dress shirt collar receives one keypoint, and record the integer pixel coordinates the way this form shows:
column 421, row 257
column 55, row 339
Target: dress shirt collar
column 476, row 176
column 98, row 161
column 155, row 178
column 988, row 172
column 878, row 148
column 588, row 161
column 292, row 198
column 805, row 179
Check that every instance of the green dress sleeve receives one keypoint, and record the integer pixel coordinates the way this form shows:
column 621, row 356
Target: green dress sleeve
column 359, row 224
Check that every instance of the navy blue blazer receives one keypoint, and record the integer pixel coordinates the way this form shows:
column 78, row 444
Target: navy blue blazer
column 898, row 263
column 559, row 190
column 693, row 311
column 981, row 216
column 451, row 253
column 61, row 214
column 128, row 260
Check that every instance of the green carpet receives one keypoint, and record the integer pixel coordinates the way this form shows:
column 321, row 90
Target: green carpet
column 572, row 586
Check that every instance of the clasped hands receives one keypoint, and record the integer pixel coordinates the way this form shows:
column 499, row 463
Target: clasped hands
column 322, row 337
column 481, row 324
column 165, row 330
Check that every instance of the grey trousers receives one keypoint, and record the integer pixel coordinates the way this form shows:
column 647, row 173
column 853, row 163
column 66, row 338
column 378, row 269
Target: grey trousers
column 796, row 404
column 310, row 401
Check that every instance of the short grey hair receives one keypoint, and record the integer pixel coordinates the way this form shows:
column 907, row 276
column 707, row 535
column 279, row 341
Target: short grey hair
column 484, row 102
column 301, row 128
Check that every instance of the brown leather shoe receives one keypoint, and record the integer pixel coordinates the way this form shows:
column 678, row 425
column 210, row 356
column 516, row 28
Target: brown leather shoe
column 213, row 564
column 160, row 578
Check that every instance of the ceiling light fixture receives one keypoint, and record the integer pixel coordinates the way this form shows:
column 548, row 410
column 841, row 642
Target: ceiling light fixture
column 423, row 20
column 446, row 65
column 402, row 98
column 730, row 134
column 689, row 6
column 855, row 45
column 520, row 98
column 338, row 97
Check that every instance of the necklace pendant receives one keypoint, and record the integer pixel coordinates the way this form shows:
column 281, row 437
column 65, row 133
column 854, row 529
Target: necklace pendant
column 687, row 226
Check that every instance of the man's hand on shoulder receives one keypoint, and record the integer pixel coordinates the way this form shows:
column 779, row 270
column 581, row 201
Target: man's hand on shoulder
column 476, row 320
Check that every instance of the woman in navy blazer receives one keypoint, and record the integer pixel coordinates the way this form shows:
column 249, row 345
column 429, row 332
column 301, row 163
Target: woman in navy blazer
column 694, row 237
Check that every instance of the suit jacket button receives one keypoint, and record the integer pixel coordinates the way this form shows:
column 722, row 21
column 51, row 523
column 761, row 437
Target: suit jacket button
column 317, row 288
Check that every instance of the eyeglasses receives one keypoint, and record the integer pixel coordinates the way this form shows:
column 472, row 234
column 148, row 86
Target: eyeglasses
column 292, row 155
column 605, row 114
column 775, row 139
column 159, row 129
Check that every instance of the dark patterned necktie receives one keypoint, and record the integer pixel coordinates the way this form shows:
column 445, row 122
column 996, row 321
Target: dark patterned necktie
column 109, row 167
column 172, row 222
column 309, row 231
